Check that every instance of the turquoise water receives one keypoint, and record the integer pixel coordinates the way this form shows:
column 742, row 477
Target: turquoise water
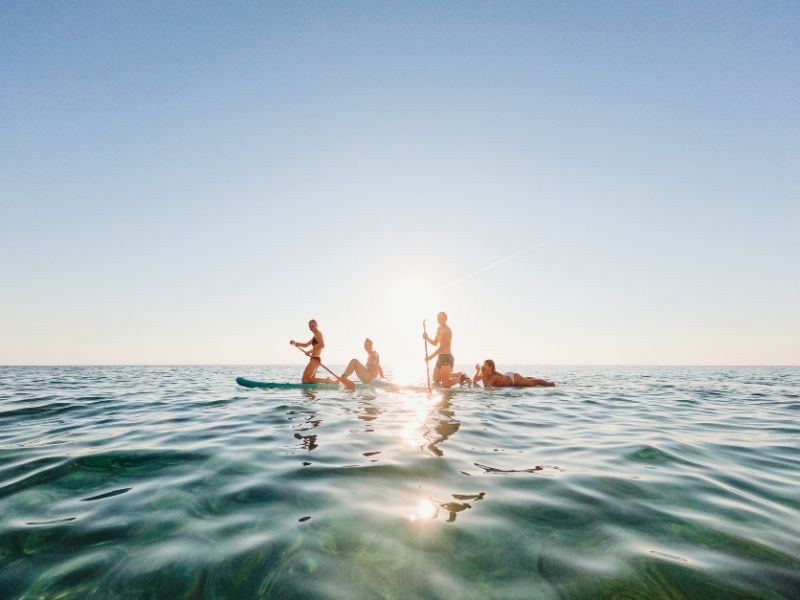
column 172, row 482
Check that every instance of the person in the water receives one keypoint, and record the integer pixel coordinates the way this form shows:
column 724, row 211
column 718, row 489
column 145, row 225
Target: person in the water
column 443, row 371
column 317, row 343
column 491, row 378
column 367, row 373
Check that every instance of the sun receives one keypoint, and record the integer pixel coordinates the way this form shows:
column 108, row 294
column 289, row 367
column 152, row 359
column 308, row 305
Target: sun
column 408, row 300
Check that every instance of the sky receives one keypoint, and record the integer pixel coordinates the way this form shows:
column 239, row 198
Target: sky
column 572, row 182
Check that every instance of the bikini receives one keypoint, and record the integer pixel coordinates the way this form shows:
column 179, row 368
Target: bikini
column 373, row 359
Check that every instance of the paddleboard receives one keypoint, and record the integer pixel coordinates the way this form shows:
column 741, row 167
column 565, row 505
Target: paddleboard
column 251, row 383
column 378, row 383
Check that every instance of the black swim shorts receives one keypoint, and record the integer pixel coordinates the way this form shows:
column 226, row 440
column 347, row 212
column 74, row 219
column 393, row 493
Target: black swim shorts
column 445, row 360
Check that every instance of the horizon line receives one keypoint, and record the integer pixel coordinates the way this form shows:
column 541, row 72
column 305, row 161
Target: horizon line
column 178, row 364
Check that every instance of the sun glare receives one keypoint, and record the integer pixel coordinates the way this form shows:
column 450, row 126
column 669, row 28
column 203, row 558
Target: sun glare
column 408, row 301
column 418, row 407
column 425, row 510
column 409, row 298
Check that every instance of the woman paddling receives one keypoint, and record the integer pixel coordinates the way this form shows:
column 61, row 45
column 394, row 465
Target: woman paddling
column 369, row 372
column 491, row 378
column 317, row 343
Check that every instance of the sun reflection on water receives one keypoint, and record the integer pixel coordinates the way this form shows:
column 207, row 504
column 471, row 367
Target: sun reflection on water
column 424, row 511
column 418, row 407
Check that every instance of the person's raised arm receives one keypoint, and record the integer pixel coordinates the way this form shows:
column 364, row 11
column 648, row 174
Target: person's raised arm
column 435, row 341
column 478, row 375
column 301, row 344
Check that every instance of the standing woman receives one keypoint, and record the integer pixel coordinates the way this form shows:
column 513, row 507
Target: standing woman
column 317, row 343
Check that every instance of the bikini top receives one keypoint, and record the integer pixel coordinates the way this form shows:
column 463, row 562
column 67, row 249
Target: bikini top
column 314, row 341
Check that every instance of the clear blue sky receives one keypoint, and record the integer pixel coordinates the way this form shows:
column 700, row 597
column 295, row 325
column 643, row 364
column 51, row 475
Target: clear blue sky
column 607, row 183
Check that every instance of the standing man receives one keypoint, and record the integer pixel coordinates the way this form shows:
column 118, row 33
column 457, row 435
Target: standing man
column 443, row 371
column 317, row 343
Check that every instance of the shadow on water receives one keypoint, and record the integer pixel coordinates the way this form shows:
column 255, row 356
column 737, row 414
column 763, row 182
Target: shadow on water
column 443, row 425
column 305, row 419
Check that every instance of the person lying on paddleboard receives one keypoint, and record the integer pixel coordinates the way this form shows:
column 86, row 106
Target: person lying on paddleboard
column 491, row 378
column 317, row 343
column 367, row 373
column 443, row 371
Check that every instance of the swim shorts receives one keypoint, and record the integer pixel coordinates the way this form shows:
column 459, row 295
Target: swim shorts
column 445, row 360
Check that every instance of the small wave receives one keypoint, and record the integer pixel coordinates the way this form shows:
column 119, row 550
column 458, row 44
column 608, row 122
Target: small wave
column 118, row 464
column 49, row 409
column 51, row 522
column 653, row 455
column 107, row 495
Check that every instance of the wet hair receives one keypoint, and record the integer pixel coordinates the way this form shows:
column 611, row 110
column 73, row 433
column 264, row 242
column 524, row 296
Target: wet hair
column 490, row 363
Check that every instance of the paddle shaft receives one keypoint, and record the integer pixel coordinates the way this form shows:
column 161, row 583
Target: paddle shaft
column 345, row 382
column 427, row 364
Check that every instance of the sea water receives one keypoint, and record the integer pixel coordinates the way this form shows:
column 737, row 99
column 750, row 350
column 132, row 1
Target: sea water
column 172, row 482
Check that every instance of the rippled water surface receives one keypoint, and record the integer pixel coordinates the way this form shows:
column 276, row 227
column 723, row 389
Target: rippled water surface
column 172, row 482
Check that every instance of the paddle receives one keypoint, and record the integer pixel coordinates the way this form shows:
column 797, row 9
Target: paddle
column 345, row 382
column 427, row 364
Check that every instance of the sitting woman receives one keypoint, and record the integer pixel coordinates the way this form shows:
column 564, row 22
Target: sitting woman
column 367, row 373
column 491, row 378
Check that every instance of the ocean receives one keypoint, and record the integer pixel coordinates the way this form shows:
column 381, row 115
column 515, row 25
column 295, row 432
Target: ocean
column 621, row 482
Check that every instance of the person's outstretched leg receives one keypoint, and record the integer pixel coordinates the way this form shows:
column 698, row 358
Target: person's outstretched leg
column 522, row 381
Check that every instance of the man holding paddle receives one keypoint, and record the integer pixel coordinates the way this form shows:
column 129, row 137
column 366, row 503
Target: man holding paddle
column 443, row 371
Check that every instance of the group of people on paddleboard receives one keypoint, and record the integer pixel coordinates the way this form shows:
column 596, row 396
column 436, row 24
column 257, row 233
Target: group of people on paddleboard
column 443, row 374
